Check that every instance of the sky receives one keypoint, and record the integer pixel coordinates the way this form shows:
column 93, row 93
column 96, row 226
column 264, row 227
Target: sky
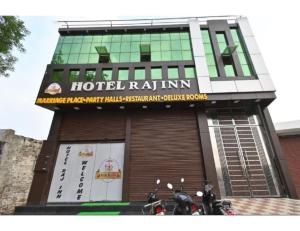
column 274, row 23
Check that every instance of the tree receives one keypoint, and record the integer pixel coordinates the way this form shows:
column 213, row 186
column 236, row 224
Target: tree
column 12, row 34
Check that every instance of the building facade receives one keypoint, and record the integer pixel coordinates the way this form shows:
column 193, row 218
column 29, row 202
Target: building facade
column 167, row 98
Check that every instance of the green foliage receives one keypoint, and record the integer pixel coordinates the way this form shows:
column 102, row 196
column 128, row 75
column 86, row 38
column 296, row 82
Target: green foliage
column 12, row 34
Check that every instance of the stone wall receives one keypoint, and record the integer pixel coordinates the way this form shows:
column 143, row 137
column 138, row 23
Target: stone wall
column 17, row 162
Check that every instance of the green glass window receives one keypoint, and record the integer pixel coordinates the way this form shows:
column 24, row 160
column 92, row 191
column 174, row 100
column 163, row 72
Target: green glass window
column 241, row 51
column 173, row 73
column 90, row 75
column 221, row 41
column 57, row 75
column 229, row 70
column 74, row 75
column 156, row 73
column 73, row 58
column 209, row 55
column 189, row 72
column 123, row 74
column 106, row 74
column 124, row 47
column 139, row 74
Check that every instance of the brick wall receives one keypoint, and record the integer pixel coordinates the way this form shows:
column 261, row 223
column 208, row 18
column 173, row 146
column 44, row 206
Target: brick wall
column 291, row 149
column 17, row 159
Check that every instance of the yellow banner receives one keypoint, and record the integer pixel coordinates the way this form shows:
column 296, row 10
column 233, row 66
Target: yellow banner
column 123, row 99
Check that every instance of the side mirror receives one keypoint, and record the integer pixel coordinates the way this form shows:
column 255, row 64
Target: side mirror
column 199, row 194
column 170, row 186
column 158, row 181
column 182, row 180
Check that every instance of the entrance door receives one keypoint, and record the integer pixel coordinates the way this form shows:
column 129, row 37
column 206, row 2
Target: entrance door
column 88, row 172
column 240, row 150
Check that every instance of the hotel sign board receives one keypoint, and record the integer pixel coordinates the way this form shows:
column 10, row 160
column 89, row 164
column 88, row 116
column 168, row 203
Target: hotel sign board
column 119, row 92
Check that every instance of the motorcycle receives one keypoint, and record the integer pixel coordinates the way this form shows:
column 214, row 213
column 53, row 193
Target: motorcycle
column 211, row 206
column 184, row 202
column 155, row 205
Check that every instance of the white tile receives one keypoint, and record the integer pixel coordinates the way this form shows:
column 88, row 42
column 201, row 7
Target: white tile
column 251, row 45
column 198, row 49
column 245, row 27
column 248, row 85
column 259, row 64
column 223, row 86
column 201, row 66
column 266, row 83
column 204, row 85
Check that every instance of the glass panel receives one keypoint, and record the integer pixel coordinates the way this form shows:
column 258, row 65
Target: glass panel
column 221, row 37
column 176, row 45
column 139, row 74
column 123, row 74
column 116, row 38
column 106, row 38
column 176, row 55
column 93, row 58
column 165, row 45
column 97, row 39
column 73, row 58
column 229, row 70
column 83, row 58
column 166, row 56
column 136, row 37
column 86, row 47
column 155, row 46
column 246, row 70
column 207, row 48
column 155, row 36
column 135, row 47
column 106, row 74
column 222, row 47
column 58, row 48
column 205, row 36
column 156, row 73
column 155, row 56
column 174, row 36
column 186, row 45
column 68, row 39
column 57, row 75
column 65, row 48
column 242, row 58
column 135, row 57
column 126, row 38
column 210, row 59
column 189, row 72
column 93, row 48
column 87, row 39
column 125, row 47
column 115, row 47
column 90, row 75
column 165, row 36
column 145, row 37
column 78, row 39
column 212, row 70
column 125, row 57
column 74, row 75
column 184, row 35
column 187, row 55
column 75, row 48
column 173, row 73
column 115, row 57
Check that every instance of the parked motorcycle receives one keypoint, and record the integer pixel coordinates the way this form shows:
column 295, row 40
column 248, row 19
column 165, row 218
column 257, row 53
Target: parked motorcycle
column 155, row 205
column 211, row 206
column 184, row 202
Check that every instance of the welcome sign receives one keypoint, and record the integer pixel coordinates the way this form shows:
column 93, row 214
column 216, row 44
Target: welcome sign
column 88, row 172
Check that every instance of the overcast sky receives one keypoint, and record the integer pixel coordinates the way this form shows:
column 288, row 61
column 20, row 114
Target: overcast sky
column 275, row 25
